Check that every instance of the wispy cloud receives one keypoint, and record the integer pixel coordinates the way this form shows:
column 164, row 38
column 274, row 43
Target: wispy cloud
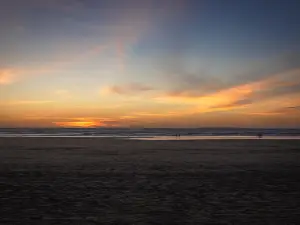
column 241, row 97
column 276, row 75
column 67, row 60
column 224, row 97
column 128, row 89
column 8, row 76
column 12, row 75
column 273, row 84
column 124, row 28
column 29, row 102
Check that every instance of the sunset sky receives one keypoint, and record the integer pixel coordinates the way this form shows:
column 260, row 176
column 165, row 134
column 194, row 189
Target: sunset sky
column 150, row 63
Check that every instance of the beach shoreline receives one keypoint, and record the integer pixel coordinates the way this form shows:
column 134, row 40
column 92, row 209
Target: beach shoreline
column 162, row 137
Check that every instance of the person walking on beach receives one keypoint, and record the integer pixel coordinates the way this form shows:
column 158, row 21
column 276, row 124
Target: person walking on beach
column 259, row 135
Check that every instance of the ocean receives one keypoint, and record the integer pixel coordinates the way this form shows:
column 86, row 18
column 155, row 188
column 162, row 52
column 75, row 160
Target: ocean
column 154, row 133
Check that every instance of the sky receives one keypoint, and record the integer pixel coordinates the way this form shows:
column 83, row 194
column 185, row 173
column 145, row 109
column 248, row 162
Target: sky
column 149, row 63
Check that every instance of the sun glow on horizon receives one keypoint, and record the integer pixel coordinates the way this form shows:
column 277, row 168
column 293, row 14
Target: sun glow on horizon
column 82, row 123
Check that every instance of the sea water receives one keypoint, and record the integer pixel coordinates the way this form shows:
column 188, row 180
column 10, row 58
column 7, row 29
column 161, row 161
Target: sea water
column 156, row 133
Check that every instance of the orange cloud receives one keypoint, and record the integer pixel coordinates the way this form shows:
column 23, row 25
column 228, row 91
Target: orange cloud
column 238, row 97
column 220, row 98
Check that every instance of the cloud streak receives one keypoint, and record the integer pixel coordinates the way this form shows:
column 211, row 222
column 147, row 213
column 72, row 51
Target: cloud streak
column 29, row 102
column 239, row 97
column 128, row 89
column 8, row 76
column 255, row 98
column 11, row 75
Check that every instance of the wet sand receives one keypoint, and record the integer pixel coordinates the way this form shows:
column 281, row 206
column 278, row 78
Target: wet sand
column 115, row 181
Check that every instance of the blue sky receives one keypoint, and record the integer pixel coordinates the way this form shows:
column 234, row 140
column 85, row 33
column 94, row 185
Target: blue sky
column 128, row 49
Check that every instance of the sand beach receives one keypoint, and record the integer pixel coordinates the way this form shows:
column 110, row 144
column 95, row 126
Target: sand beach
column 121, row 181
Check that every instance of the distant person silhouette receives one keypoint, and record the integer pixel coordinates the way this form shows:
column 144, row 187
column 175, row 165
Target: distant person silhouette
column 259, row 135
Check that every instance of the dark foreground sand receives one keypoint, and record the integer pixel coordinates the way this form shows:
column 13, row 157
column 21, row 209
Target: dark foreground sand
column 110, row 181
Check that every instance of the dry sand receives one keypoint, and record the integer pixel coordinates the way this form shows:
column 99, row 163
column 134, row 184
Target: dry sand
column 115, row 181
